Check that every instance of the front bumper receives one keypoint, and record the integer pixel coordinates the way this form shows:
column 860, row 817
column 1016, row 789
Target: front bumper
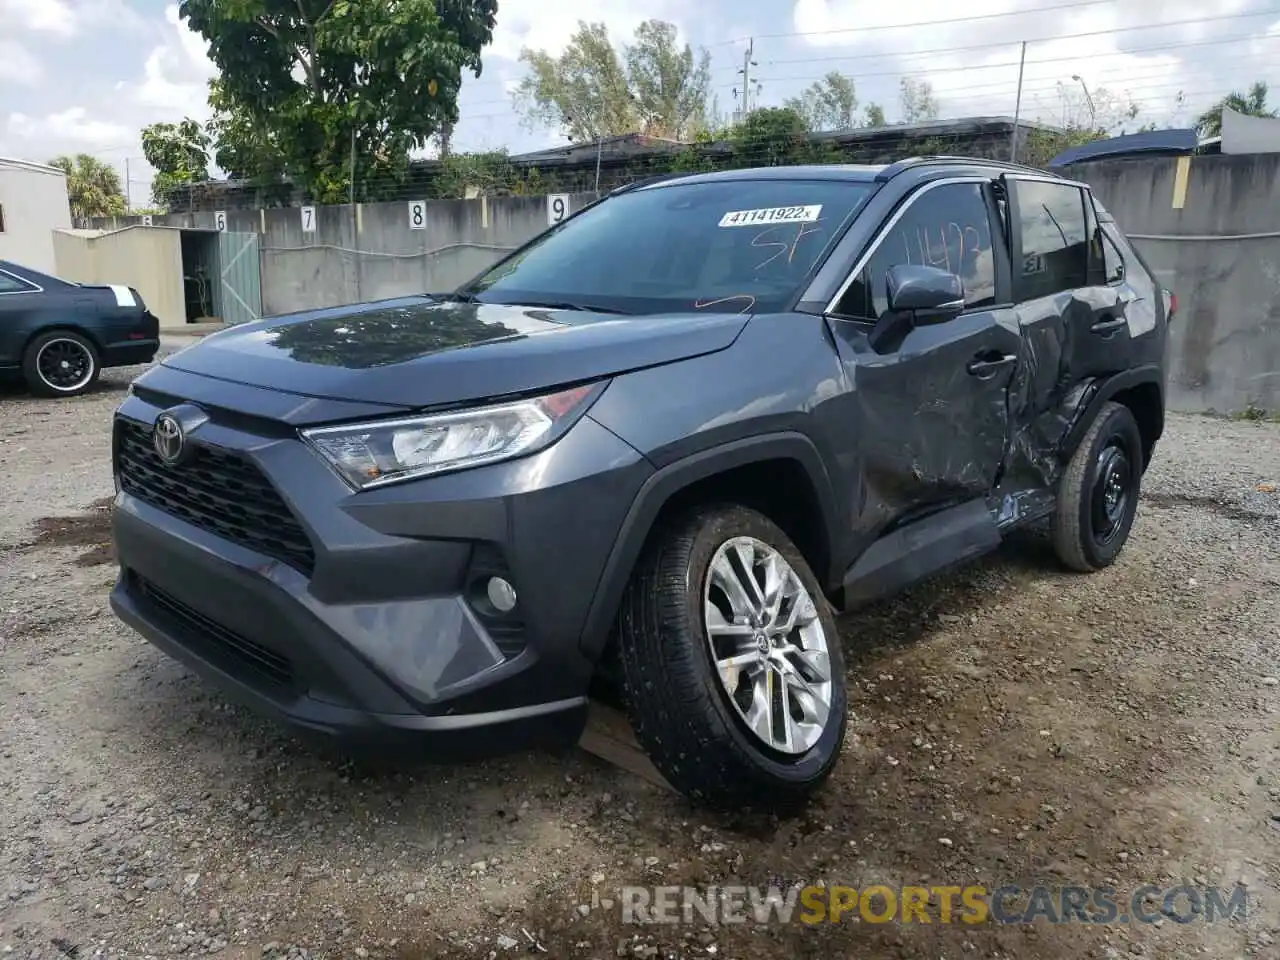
column 382, row 639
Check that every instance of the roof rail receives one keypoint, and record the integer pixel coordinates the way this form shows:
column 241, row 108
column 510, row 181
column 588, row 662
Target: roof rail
column 910, row 163
column 647, row 182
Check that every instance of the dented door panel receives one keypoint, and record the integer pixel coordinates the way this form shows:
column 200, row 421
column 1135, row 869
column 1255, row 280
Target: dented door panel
column 933, row 414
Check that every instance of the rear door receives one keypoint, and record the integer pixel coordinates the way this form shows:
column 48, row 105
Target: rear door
column 933, row 410
column 1076, row 323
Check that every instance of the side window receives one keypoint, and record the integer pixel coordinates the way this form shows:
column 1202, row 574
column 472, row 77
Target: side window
column 9, row 284
column 1055, row 239
column 947, row 227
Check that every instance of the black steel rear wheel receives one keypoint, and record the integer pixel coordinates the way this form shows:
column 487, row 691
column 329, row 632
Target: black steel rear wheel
column 1098, row 494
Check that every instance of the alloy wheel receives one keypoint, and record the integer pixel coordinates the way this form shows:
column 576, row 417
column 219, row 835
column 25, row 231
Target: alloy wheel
column 65, row 365
column 768, row 645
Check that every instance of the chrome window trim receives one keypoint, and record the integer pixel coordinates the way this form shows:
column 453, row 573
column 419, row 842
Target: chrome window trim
column 31, row 287
column 860, row 264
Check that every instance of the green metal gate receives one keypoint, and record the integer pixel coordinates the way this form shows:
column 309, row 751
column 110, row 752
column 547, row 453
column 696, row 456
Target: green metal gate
column 241, row 287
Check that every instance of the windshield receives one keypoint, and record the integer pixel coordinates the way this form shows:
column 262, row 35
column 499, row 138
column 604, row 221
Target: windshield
column 727, row 245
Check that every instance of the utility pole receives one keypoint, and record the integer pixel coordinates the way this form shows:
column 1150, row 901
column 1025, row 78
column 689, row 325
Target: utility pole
column 747, row 64
column 128, row 197
column 1017, row 109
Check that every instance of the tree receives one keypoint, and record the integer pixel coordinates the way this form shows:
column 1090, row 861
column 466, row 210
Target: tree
column 1080, row 118
column 305, row 79
column 828, row 104
column 777, row 136
column 1251, row 104
column 917, row 100
column 93, row 188
column 1098, row 114
column 179, row 154
column 592, row 90
column 874, row 114
column 669, row 85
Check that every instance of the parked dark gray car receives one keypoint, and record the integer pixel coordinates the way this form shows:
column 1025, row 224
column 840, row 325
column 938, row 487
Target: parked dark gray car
column 59, row 335
column 641, row 454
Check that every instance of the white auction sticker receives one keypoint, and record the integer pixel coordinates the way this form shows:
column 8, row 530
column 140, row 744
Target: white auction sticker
column 753, row 218
column 124, row 296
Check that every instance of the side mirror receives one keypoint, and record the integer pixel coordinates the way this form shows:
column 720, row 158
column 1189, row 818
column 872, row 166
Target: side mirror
column 925, row 294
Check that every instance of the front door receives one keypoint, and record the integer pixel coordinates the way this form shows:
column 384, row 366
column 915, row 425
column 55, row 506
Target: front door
column 932, row 409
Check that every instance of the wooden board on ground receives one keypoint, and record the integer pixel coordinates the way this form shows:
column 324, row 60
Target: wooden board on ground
column 608, row 735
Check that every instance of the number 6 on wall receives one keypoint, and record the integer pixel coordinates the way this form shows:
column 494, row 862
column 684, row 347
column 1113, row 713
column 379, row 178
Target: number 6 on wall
column 220, row 220
column 557, row 207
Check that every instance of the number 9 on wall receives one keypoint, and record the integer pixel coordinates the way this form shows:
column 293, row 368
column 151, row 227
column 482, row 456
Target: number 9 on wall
column 557, row 208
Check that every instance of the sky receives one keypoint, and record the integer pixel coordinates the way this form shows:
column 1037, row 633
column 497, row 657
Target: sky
column 86, row 75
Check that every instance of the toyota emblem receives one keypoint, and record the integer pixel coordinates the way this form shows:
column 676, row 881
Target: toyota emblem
column 168, row 439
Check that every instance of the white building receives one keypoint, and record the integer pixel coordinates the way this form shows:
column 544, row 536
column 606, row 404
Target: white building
column 33, row 203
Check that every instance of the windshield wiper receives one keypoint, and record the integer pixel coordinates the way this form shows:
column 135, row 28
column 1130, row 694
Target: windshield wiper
column 566, row 305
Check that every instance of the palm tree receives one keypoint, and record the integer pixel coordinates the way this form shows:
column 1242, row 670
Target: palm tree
column 1252, row 104
column 92, row 187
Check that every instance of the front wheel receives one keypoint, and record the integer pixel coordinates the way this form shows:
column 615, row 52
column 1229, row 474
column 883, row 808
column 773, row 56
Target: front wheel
column 60, row 363
column 1098, row 493
column 732, row 663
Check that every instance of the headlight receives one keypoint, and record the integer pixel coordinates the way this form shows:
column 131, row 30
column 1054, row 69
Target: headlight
column 386, row 451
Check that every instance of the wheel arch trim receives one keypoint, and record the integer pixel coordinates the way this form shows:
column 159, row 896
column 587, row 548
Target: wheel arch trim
column 63, row 326
column 1106, row 390
column 669, row 480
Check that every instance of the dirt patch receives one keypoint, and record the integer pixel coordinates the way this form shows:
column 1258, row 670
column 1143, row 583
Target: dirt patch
column 1010, row 723
column 1223, row 509
column 91, row 529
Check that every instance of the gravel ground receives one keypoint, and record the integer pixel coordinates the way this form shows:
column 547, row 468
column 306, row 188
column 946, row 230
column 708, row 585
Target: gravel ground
column 1010, row 724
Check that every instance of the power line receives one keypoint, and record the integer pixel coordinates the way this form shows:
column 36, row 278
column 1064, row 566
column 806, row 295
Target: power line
column 973, row 48
column 1017, row 13
column 1126, row 75
column 859, row 74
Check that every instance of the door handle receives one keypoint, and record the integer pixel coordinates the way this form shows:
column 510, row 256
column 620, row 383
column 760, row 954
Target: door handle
column 1109, row 325
column 985, row 366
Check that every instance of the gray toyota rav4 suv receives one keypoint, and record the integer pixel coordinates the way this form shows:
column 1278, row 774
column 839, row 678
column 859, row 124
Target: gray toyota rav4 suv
column 649, row 454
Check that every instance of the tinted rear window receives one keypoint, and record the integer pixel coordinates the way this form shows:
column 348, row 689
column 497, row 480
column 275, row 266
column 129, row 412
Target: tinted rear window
column 741, row 245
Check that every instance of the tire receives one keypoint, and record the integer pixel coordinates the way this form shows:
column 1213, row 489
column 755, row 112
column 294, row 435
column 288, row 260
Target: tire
column 1088, row 533
column 682, row 713
column 79, row 359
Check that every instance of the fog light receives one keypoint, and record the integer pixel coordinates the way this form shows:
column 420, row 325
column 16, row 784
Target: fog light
column 501, row 594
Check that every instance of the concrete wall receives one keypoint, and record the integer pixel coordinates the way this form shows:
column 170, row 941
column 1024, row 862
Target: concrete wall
column 149, row 259
column 33, row 202
column 370, row 252
column 1210, row 228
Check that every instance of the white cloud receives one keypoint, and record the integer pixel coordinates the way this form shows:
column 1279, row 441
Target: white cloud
column 18, row 66
column 176, row 73
column 1121, row 52
column 72, row 125
column 41, row 16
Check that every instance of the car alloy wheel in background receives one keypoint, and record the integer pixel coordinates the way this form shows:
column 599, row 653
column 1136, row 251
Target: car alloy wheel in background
column 60, row 363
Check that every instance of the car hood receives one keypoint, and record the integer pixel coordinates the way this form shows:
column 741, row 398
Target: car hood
column 418, row 352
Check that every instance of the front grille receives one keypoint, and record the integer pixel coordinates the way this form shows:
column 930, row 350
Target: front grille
column 216, row 491
column 267, row 663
